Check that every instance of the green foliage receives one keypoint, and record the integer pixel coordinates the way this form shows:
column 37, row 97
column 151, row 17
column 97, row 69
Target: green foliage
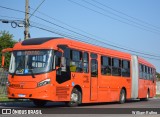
column 158, row 75
column 6, row 41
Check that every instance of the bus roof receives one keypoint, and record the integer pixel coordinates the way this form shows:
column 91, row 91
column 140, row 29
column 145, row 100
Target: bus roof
column 38, row 41
column 143, row 61
column 52, row 42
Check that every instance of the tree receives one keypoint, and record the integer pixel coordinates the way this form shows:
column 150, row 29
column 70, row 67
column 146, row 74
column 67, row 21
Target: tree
column 6, row 41
column 158, row 75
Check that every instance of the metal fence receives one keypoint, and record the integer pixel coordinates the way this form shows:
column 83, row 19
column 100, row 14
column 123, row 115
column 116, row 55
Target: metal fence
column 3, row 82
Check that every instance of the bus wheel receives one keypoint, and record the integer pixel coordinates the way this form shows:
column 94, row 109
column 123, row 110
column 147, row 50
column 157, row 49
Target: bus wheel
column 76, row 98
column 122, row 97
column 39, row 103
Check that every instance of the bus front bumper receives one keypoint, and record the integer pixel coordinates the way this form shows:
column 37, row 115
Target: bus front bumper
column 44, row 93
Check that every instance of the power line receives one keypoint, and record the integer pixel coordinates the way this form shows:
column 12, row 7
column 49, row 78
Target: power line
column 125, row 14
column 121, row 16
column 79, row 29
column 55, row 32
column 36, row 9
column 108, row 43
column 10, row 20
column 65, row 23
column 51, row 28
column 11, row 17
column 75, row 38
column 62, row 27
column 113, row 17
column 14, row 23
column 12, row 9
column 41, row 19
column 93, row 38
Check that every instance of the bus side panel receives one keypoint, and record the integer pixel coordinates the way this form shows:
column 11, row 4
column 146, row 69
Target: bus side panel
column 83, row 81
column 142, row 88
column 128, row 87
column 104, row 88
column 152, row 88
column 115, row 88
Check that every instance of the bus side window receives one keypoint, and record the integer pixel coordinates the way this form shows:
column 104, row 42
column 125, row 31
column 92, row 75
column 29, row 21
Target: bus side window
column 93, row 56
column 144, row 75
column 141, row 70
column 125, row 68
column 147, row 73
column 94, row 68
column 151, row 74
column 85, row 62
column 116, row 67
column 105, row 65
column 76, row 61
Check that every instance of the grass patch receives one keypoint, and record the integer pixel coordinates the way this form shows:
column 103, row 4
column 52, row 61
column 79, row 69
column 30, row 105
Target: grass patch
column 5, row 99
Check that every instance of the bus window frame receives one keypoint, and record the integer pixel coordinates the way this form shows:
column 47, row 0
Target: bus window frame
column 129, row 67
column 85, row 52
column 80, row 61
column 141, row 69
column 120, row 66
column 109, row 65
column 93, row 55
column 94, row 76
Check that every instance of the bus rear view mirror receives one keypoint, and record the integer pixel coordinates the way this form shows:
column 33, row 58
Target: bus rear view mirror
column 3, row 59
column 63, row 64
column 3, row 55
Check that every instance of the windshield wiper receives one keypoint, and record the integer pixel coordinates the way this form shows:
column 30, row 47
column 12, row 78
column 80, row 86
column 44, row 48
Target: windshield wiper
column 14, row 72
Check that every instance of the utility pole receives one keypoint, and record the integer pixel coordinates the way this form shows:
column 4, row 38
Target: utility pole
column 26, row 30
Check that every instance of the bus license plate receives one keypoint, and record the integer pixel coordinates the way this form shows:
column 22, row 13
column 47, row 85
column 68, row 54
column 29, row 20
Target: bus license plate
column 21, row 95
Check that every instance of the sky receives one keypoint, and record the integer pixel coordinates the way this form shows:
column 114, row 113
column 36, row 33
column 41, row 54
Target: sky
column 129, row 24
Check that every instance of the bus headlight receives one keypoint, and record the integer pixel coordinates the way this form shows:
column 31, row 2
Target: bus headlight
column 44, row 82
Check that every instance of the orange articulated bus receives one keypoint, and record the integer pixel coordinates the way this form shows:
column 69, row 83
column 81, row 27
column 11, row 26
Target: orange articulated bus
column 64, row 70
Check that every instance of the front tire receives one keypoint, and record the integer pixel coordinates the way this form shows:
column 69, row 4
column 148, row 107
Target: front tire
column 39, row 103
column 122, row 97
column 76, row 98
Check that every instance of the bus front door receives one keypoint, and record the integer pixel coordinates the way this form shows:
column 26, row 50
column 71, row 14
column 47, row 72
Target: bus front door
column 94, row 79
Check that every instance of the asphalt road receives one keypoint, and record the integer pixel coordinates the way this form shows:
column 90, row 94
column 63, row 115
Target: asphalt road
column 60, row 109
column 152, row 103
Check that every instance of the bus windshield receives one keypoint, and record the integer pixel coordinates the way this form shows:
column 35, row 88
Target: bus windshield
column 30, row 62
